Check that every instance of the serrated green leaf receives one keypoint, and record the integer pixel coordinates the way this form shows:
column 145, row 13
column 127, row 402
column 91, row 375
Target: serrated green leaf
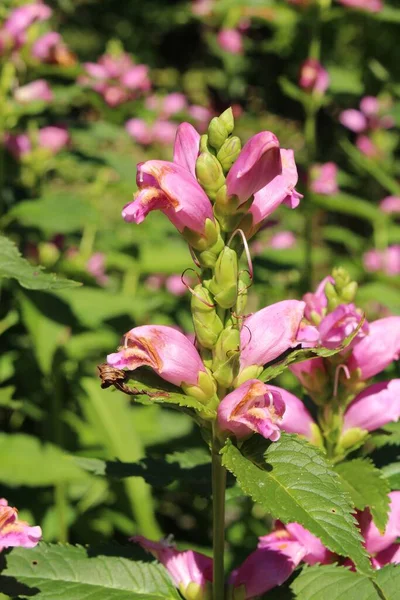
column 293, row 481
column 392, row 474
column 388, row 582
column 28, row 462
column 389, row 436
column 367, row 487
column 74, row 573
column 14, row 266
column 331, row 582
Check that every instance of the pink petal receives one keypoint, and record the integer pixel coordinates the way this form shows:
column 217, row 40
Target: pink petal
column 374, row 407
column 186, row 148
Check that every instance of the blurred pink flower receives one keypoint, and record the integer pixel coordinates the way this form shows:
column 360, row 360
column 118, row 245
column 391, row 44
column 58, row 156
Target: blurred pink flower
column 14, row 532
column 31, row 92
column 202, row 8
column 252, row 407
column 387, row 261
column 313, row 76
column 13, row 32
column 140, row 131
column 282, row 240
column 96, row 267
column 324, row 179
column 17, row 144
column 201, row 114
column 47, row 46
column 163, row 349
column 53, row 137
column 390, row 204
column 230, row 40
column 175, row 285
column 367, row 5
column 366, row 146
column 173, row 103
column 370, row 117
column 164, row 132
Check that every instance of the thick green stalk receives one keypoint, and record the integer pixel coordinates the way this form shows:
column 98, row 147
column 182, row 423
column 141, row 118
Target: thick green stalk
column 218, row 497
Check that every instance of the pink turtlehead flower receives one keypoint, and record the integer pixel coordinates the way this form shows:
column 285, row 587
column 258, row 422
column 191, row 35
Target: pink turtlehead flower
column 258, row 163
column 311, row 374
column 13, row 32
column 280, row 190
column 373, row 353
column 354, row 120
column 230, row 40
column 186, row 147
column 46, row 47
column 53, row 137
column 341, row 323
column 296, row 418
column 390, row 204
column 282, row 240
column 96, row 267
column 387, row 261
column 185, row 568
column 324, row 179
column 367, row 5
column 374, row 407
column 173, row 103
column 34, row 91
column 313, row 76
column 140, row 131
column 164, row 132
column 298, row 543
column 162, row 348
column 382, row 547
column 168, row 187
column 14, row 532
column 316, row 303
column 252, row 407
column 271, row 331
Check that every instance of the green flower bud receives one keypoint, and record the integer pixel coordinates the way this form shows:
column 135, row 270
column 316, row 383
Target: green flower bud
column 351, row 440
column 210, row 237
column 204, row 147
column 229, row 152
column 209, row 174
column 252, row 372
column 208, row 257
column 316, row 437
column 204, row 391
column 48, row 254
column 227, row 357
column 217, row 133
column 242, row 295
column 227, row 119
column 195, row 591
column 224, row 284
column 207, row 324
column 349, row 292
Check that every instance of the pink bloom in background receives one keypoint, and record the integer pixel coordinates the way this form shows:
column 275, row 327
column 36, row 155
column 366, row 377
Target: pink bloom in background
column 374, row 407
column 53, row 137
column 201, row 115
column 324, row 179
column 185, row 568
column 14, row 532
column 387, row 261
column 341, row 323
column 202, row 8
column 173, row 103
column 164, row 132
column 175, row 285
column 17, row 145
column 279, row 190
column 96, row 267
column 367, row 5
column 172, row 189
column 313, row 76
column 13, row 32
column 365, row 121
column 31, row 92
column 269, row 332
column 373, row 353
column 390, row 204
column 282, row 240
column 252, row 407
column 44, row 47
column 257, row 164
column 230, row 40
column 367, row 146
column 162, row 348
column 140, row 131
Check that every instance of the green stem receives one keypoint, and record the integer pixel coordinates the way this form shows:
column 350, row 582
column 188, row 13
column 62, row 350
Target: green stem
column 218, row 494
column 60, row 500
column 60, row 491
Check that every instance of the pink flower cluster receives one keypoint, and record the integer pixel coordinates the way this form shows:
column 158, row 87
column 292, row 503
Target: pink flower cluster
column 387, row 261
column 53, row 138
column 324, row 179
column 14, row 532
column 364, row 122
column 313, row 77
column 116, row 78
column 277, row 556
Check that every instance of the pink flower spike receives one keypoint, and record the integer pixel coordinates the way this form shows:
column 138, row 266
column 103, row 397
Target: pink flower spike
column 53, row 137
column 137, row 78
column 172, row 189
column 324, row 179
column 257, row 164
column 374, row 540
column 374, row 407
column 14, row 532
column 230, row 40
column 341, row 323
column 269, row 332
column 280, row 190
column 34, row 91
column 184, row 568
column 162, row 348
column 353, row 120
column 313, row 76
column 296, row 418
column 390, row 204
column 265, row 569
column 378, row 349
column 186, row 147
column 252, row 407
